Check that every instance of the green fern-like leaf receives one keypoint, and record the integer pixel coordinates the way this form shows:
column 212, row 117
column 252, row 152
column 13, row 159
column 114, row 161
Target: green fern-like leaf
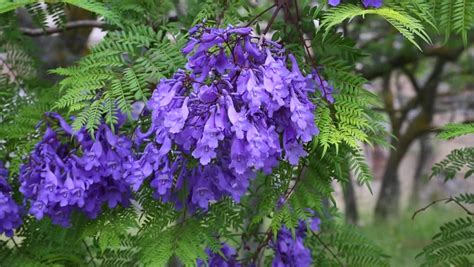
column 454, row 244
column 454, row 16
column 407, row 25
column 467, row 198
column 183, row 240
column 6, row 6
column 455, row 162
column 95, row 7
column 118, row 72
column 348, row 247
column 455, row 130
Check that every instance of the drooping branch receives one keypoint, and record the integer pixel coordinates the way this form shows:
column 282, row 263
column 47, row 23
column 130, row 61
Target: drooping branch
column 412, row 78
column 34, row 32
column 446, row 200
column 259, row 15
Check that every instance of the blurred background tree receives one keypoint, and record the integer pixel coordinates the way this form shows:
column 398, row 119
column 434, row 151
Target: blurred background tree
column 421, row 90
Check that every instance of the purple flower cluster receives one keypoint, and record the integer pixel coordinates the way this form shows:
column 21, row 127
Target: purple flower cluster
column 70, row 171
column 228, row 258
column 9, row 211
column 290, row 250
column 365, row 3
column 235, row 110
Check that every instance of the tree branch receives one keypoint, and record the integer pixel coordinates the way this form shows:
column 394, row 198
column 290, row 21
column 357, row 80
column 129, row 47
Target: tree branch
column 409, row 57
column 259, row 15
column 412, row 78
column 34, row 32
column 447, row 200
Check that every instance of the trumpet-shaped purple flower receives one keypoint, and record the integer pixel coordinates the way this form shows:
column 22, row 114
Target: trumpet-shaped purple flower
column 365, row 3
column 201, row 196
column 225, row 116
column 58, row 180
column 175, row 119
column 289, row 249
column 92, row 156
column 372, row 3
column 227, row 258
column 9, row 211
column 238, row 156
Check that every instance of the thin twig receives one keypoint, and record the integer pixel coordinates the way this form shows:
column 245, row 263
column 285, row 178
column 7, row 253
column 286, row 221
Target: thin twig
column 327, row 248
column 463, row 207
column 260, row 14
column 427, row 206
column 220, row 16
column 68, row 26
column 447, row 200
column 268, row 233
column 310, row 59
column 89, row 252
column 272, row 19
column 14, row 243
column 23, row 252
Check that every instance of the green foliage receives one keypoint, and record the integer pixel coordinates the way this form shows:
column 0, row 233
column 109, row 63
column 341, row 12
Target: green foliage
column 120, row 70
column 455, row 130
column 458, row 159
column 43, row 244
column 407, row 25
column 40, row 14
column 132, row 12
column 6, row 6
column 55, row 8
column 467, row 198
column 455, row 162
column 183, row 240
column 223, row 12
column 454, row 16
column 95, row 7
column 454, row 243
column 347, row 246
column 23, row 98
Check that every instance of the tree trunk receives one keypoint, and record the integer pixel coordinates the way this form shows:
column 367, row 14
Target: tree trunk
column 388, row 201
column 352, row 215
column 423, row 157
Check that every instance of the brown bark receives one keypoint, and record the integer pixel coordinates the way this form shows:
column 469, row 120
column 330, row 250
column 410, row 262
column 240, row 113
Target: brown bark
column 351, row 212
column 388, row 200
column 423, row 157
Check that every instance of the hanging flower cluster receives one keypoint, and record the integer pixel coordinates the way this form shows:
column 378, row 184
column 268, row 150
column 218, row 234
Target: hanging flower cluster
column 289, row 249
column 228, row 258
column 365, row 3
column 70, row 171
column 236, row 109
column 9, row 211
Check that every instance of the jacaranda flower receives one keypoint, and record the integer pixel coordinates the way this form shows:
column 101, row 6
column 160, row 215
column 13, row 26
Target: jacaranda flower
column 235, row 110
